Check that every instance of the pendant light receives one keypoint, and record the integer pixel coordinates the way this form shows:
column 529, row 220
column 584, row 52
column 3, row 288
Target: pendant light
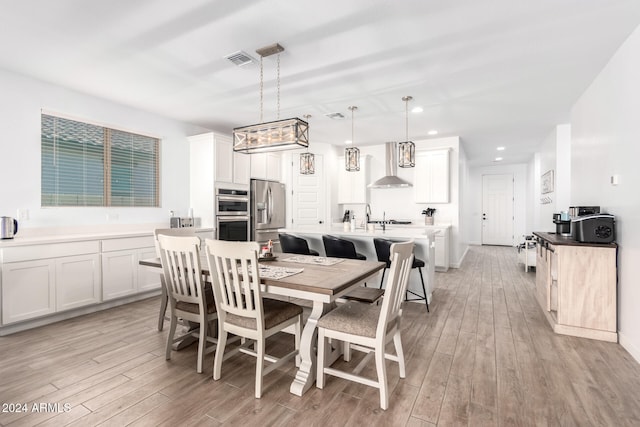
column 307, row 160
column 271, row 136
column 352, row 154
column 406, row 149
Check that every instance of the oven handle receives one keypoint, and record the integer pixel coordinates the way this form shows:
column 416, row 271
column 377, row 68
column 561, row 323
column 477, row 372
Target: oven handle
column 233, row 198
column 232, row 218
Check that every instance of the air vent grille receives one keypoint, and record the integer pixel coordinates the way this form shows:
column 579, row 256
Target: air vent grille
column 240, row 58
column 335, row 116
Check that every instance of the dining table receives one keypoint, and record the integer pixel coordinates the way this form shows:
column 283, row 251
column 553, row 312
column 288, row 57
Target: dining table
column 320, row 280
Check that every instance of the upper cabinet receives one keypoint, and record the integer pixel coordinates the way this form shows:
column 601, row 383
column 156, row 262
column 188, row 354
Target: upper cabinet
column 431, row 183
column 231, row 167
column 266, row 166
column 352, row 186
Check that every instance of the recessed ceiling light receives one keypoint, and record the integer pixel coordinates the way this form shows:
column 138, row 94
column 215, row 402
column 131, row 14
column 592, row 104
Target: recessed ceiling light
column 348, row 142
column 417, row 110
column 498, row 159
column 500, row 148
column 432, row 132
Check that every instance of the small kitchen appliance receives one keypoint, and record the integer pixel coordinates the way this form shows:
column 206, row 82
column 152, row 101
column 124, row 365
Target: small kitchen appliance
column 180, row 222
column 576, row 211
column 8, row 227
column 594, row 228
column 563, row 223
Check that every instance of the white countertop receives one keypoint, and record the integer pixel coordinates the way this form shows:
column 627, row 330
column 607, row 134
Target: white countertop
column 78, row 235
column 397, row 231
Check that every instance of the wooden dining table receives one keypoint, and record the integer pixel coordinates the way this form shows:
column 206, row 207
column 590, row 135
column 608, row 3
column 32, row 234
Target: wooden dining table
column 320, row 284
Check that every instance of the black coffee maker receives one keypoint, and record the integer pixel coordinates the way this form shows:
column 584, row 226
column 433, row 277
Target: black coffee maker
column 563, row 223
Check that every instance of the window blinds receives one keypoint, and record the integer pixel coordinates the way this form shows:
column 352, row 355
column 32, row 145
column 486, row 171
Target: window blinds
column 88, row 165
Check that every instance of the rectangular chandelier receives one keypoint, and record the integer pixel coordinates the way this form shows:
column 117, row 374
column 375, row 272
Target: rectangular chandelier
column 285, row 134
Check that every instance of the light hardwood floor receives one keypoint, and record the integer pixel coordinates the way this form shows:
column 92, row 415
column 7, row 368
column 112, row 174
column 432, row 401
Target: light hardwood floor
column 485, row 355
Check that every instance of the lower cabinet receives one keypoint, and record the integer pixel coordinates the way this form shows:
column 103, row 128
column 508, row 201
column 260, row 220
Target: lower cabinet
column 122, row 275
column 442, row 249
column 44, row 279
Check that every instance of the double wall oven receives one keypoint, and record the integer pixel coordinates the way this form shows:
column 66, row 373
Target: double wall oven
column 232, row 215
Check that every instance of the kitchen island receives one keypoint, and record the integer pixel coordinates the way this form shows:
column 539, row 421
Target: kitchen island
column 363, row 239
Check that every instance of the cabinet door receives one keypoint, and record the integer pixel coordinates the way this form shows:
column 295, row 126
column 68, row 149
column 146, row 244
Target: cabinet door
column 28, row 290
column 259, row 166
column 119, row 271
column 241, row 168
column 148, row 279
column 542, row 277
column 440, row 251
column 77, row 281
column 431, row 182
column 344, row 183
column 224, row 159
column 274, row 166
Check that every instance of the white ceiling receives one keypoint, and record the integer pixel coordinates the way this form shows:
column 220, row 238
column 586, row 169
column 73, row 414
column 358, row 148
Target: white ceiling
column 494, row 72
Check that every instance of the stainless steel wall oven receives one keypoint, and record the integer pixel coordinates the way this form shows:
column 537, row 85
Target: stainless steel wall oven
column 232, row 215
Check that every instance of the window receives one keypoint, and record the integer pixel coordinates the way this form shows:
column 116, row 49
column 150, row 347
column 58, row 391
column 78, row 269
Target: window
column 89, row 165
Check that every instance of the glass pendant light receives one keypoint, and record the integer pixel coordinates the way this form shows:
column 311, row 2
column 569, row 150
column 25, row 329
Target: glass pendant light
column 406, row 149
column 307, row 160
column 352, row 154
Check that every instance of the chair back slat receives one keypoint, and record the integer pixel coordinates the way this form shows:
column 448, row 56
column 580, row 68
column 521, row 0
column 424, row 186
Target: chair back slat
column 397, row 281
column 180, row 257
column 235, row 278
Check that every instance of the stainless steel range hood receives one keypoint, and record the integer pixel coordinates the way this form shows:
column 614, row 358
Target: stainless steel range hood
column 390, row 180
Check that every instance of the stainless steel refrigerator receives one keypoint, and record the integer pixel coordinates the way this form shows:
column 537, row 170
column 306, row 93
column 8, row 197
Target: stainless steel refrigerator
column 267, row 200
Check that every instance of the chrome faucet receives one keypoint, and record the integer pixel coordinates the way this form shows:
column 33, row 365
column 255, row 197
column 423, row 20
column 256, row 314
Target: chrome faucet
column 384, row 222
column 368, row 213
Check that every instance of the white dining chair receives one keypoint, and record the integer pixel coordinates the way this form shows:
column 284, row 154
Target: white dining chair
column 164, row 298
column 189, row 298
column 243, row 311
column 369, row 328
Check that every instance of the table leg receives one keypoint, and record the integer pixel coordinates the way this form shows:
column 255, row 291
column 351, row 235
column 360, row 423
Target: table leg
column 306, row 375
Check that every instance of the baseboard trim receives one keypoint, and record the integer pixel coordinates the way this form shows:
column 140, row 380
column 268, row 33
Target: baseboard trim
column 459, row 263
column 628, row 345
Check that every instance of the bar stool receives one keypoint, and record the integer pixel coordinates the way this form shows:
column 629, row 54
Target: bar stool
column 383, row 248
column 341, row 248
column 295, row 245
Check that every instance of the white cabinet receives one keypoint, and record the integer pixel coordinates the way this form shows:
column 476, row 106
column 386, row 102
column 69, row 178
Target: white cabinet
column 28, row 290
column 77, row 281
column 121, row 273
column 442, row 249
column 431, row 181
column 352, row 186
column 212, row 161
column 43, row 279
column 266, row 166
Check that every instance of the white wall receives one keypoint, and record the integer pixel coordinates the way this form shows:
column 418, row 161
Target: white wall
column 20, row 106
column 606, row 141
column 473, row 213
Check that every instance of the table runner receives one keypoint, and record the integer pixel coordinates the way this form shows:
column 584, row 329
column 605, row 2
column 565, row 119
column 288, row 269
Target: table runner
column 272, row 272
column 309, row 259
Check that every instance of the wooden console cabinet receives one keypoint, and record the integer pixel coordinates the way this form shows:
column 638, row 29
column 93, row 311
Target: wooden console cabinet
column 576, row 286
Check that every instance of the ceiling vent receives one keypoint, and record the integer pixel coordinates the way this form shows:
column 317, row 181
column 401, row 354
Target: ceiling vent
column 240, row 58
column 335, row 116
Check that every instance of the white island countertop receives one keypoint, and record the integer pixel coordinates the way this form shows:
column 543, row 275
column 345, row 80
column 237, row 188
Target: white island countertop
column 390, row 232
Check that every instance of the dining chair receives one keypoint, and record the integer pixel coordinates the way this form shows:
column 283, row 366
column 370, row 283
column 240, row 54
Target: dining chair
column 342, row 248
column 189, row 298
column 383, row 247
column 164, row 298
column 368, row 328
column 291, row 244
column 243, row 311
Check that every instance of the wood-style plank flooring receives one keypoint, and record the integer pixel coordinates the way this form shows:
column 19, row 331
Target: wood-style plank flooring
column 485, row 355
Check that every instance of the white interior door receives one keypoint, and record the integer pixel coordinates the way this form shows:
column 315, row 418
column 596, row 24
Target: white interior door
column 308, row 207
column 497, row 209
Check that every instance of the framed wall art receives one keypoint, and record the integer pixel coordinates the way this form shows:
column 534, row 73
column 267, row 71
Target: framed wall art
column 546, row 183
